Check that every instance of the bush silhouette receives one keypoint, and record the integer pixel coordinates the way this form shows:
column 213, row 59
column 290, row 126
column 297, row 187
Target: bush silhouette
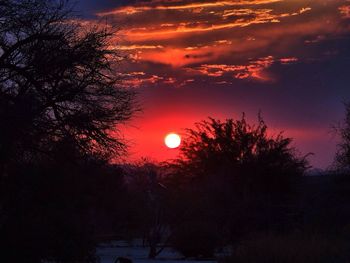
column 290, row 248
column 238, row 176
column 196, row 239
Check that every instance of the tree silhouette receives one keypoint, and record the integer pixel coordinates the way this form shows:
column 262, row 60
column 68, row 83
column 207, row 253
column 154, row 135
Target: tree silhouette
column 342, row 158
column 236, row 176
column 57, row 81
column 152, row 207
column 214, row 146
column 60, row 109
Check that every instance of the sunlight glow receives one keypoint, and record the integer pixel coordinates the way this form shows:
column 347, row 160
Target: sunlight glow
column 172, row 140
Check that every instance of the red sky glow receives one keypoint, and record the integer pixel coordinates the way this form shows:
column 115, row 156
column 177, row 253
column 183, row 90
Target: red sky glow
column 189, row 60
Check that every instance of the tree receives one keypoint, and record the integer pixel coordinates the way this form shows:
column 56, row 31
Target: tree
column 60, row 110
column 57, row 83
column 239, row 149
column 237, row 176
column 152, row 205
column 342, row 158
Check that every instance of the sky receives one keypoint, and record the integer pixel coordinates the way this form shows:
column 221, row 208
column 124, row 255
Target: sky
column 288, row 59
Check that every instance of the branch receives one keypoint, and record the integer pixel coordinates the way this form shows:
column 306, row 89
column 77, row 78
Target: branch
column 30, row 39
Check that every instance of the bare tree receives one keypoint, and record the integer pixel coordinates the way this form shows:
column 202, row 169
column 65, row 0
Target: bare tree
column 57, row 83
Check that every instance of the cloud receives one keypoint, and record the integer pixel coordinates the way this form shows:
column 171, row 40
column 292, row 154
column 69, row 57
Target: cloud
column 345, row 11
column 254, row 70
column 242, row 35
column 137, row 81
column 178, row 57
column 137, row 47
column 130, row 10
column 246, row 17
column 286, row 61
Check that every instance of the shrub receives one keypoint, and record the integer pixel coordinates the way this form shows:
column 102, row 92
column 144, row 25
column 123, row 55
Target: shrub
column 196, row 239
column 290, row 249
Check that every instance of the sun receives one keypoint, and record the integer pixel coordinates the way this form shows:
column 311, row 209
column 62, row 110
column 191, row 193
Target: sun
column 172, row 140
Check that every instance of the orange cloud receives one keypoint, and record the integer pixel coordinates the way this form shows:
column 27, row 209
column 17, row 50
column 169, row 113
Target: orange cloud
column 259, row 16
column 290, row 60
column 205, row 36
column 138, row 79
column 137, row 47
column 178, row 57
column 253, row 70
column 345, row 11
column 130, row 10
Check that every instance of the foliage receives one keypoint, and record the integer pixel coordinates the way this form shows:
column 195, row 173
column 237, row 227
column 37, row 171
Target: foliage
column 290, row 249
column 342, row 158
column 55, row 210
column 237, row 177
column 195, row 239
column 61, row 104
column 52, row 209
column 57, row 82
column 144, row 181
column 242, row 153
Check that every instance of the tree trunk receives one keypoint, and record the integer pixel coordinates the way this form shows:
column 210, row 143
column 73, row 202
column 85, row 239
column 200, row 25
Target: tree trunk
column 152, row 252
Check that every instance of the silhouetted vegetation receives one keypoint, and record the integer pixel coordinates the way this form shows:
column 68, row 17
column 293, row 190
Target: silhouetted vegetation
column 237, row 179
column 151, row 209
column 234, row 185
column 196, row 239
column 56, row 83
column 290, row 248
column 60, row 107
column 342, row 158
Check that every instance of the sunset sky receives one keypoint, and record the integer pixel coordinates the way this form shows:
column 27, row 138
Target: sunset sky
column 289, row 59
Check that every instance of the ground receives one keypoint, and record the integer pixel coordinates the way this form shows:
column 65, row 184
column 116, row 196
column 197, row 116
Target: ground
column 138, row 254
